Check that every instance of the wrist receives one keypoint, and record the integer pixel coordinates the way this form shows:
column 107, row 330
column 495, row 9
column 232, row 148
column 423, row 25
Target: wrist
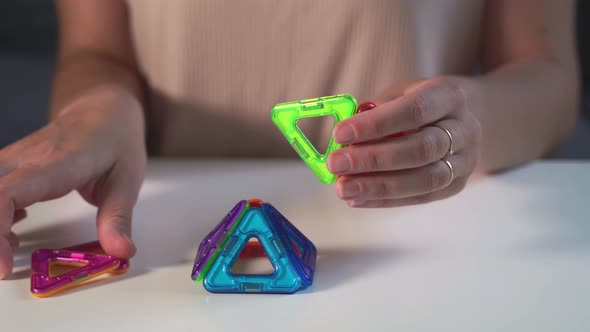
column 109, row 106
column 103, row 94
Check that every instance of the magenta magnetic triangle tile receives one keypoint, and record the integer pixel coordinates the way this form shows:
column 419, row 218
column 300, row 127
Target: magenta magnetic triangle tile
column 88, row 266
column 94, row 247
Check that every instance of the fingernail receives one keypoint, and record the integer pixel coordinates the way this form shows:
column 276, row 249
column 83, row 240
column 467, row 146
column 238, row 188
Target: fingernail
column 124, row 231
column 126, row 236
column 349, row 190
column 353, row 203
column 130, row 241
column 338, row 163
column 344, row 134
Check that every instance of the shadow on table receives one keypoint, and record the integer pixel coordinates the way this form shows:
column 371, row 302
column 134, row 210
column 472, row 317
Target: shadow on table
column 170, row 222
column 560, row 208
column 65, row 234
column 56, row 236
column 338, row 265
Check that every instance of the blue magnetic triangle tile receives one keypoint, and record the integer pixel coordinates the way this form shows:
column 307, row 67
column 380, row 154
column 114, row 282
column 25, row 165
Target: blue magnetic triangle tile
column 300, row 249
column 291, row 254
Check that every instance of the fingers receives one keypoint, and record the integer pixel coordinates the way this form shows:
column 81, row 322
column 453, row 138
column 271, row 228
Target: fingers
column 421, row 148
column 24, row 187
column 7, row 212
column 421, row 105
column 29, row 185
column 6, row 239
column 404, row 183
column 116, row 197
column 13, row 240
column 17, row 190
column 19, row 215
column 393, row 91
column 6, row 258
column 447, row 192
column 5, row 168
column 6, row 215
column 8, row 242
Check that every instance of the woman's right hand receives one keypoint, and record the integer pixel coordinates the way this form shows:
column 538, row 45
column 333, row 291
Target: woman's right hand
column 95, row 146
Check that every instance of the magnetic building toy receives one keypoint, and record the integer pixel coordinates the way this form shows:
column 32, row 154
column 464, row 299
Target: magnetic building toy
column 341, row 107
column 291, row 254
column 286, row 115
column 88, row 260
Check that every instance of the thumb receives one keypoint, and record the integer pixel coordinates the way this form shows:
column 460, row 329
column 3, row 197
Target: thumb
column 396, row 90
column 116, row 197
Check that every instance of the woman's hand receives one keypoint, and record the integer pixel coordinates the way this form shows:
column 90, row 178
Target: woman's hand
column 424, row 165
column 96, row 146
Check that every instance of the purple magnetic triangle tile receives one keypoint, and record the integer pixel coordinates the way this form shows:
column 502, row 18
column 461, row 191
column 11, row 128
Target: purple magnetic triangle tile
column 214, row 239
column 290, row 236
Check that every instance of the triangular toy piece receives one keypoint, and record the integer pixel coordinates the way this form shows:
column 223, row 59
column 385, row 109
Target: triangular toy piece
column 299, row 248
column 292, row 255
column 286, row 115
column 211, row 245
column 89, row 266
column 94, row 247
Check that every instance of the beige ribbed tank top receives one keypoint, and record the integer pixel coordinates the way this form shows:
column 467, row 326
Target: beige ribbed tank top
column 216, row 67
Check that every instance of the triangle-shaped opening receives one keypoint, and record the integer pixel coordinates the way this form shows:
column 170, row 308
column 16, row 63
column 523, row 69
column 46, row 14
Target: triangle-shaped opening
column 253, row 260
column 318, row 131
column 57, row 268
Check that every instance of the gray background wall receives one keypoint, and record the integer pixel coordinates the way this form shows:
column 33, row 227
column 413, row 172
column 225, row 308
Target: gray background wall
column 27, row 45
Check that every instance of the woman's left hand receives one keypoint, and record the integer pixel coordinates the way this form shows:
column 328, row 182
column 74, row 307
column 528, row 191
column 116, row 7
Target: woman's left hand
column 431, row 161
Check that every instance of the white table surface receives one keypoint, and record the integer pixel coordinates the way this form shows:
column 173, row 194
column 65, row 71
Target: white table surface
column 510, row 253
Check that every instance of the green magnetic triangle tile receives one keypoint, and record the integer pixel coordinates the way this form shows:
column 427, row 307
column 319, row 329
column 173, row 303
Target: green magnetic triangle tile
column 286, row 115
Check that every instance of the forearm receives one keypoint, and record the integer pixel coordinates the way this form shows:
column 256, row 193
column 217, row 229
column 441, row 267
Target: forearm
column 525, row 109
column 95, row 50
column 83, row 71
